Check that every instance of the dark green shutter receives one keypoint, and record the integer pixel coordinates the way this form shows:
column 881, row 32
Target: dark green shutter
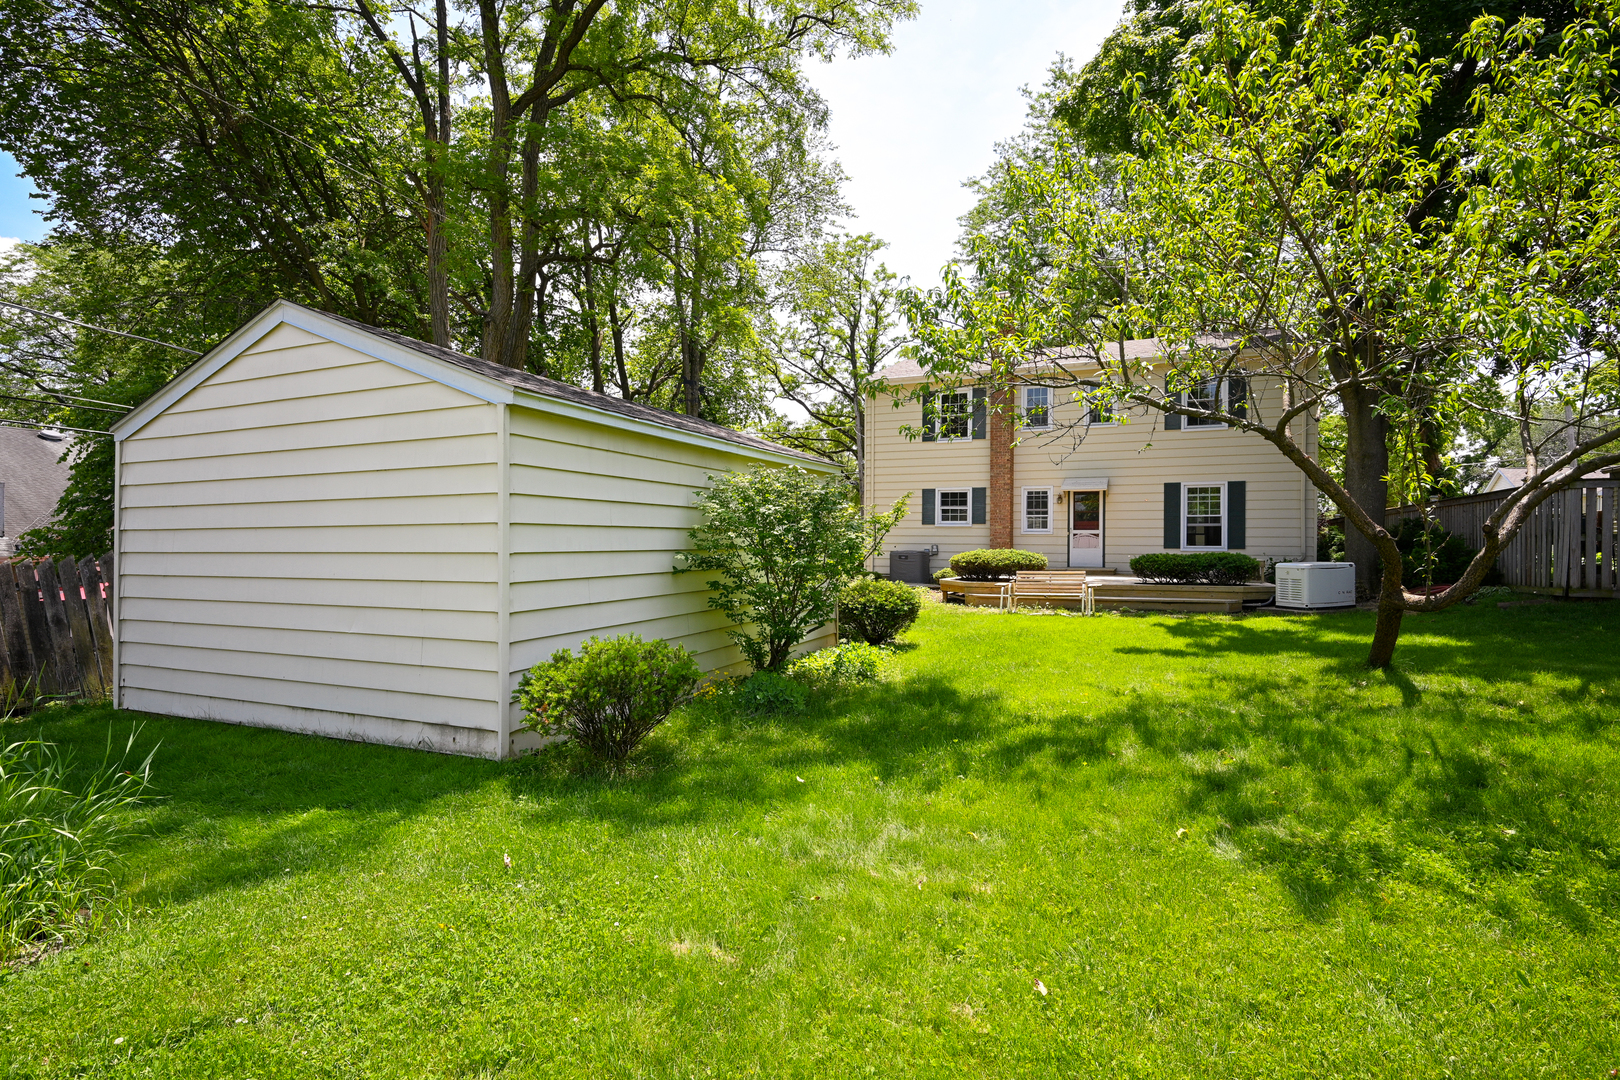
column 928, row 506
column 1172, row 421
column 1172, row 516
column 978, row 506
column 1237, row 505
column 1237, row 398
column 929, row 426
column 978, row 412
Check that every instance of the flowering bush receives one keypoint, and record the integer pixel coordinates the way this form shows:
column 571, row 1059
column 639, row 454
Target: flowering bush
column 610, row 696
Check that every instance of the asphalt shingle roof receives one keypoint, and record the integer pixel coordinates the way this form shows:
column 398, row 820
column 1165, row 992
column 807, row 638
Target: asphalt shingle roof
column 538, row 384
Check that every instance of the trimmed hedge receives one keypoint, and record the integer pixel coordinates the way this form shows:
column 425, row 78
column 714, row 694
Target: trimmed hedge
column 874, row 611
column 1205, row 568
column 943, row 573
column 995, row 564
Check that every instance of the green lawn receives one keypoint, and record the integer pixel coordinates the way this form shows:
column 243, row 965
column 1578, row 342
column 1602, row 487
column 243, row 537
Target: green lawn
column 1223, row 847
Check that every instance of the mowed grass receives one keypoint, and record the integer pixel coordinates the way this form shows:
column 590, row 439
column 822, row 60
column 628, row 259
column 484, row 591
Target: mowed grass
column 1222, row 846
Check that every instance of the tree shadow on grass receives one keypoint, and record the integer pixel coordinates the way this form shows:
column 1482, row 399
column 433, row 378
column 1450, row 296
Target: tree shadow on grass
column 1331, row 797
column 304, row 801
column 1336, row 800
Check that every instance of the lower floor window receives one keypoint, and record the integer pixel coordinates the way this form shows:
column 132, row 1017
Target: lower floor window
column 953, row 506
column 1204, row 516
column 1037, row 509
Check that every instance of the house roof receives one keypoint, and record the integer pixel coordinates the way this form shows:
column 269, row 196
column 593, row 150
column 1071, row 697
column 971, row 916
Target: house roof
column 32, row 469
column 909, row 370
column 483, row 369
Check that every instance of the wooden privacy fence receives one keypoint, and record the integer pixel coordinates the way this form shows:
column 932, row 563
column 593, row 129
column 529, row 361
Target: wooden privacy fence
column 1571, row 542
column 56, row 618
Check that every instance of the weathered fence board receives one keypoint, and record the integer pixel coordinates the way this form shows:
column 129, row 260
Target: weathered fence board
column 1570, row 543
column 55, row 618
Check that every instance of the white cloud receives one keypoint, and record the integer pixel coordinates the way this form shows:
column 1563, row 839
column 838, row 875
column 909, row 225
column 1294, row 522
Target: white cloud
column 912, row 126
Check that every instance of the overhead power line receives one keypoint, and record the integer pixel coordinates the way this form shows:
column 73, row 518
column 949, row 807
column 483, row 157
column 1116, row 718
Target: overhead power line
column 120, row 410
column 52, row 427
column 98, row 329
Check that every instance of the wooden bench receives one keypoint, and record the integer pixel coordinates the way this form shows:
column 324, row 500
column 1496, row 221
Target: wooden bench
column 1049, row 585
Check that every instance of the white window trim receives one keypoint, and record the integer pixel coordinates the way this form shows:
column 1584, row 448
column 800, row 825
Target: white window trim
column 1112, row 418
column 1223, row 402
column 939, row 508
column 1023, row 414
column 1186, row 489
column 939, row 418
column 1051, row 510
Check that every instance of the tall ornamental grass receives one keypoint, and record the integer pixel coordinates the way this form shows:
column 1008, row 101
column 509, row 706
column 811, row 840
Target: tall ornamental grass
column 59, row 834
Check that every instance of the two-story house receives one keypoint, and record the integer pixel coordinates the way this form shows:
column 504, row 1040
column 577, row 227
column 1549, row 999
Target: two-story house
column 1083, row 488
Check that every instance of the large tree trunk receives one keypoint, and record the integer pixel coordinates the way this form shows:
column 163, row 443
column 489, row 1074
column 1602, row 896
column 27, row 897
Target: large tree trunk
column 497, row 321
column 438, row 244
column 617, row 328
column 1366, row 471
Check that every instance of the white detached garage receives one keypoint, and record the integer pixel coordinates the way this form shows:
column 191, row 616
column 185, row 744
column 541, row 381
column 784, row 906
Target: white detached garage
column 329, row 528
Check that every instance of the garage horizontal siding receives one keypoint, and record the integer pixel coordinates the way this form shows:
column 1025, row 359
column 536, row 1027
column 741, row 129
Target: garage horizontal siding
column 600, row 516
column 313, row 532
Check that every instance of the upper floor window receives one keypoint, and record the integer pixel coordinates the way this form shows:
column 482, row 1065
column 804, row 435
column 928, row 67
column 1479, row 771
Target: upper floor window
column 1217, row 395
column 1037, row 406
column 956, row 415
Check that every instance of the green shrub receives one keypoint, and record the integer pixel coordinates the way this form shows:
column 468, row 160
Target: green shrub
column 1330, row 544
column 58, row 837
column 849, row 664
column 610, row 696
column 942, row 574
column 1450, row 555
column 765, row 693
column 1202, row 568
column 875, row 611
column 782, row 541
column 995, row 564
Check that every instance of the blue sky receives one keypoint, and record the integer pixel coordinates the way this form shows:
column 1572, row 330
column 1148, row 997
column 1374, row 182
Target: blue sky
column 909, row 127
column 19, row 217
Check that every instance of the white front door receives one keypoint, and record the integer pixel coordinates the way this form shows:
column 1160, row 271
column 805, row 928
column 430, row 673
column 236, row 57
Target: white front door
column 1085, row 528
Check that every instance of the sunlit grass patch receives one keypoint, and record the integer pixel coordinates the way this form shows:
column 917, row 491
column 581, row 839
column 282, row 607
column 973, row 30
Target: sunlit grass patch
column 1222, row 846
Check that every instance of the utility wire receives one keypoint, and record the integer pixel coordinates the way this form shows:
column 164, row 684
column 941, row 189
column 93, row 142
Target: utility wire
column 99, row 329
column 63, row 404
column 52, row 427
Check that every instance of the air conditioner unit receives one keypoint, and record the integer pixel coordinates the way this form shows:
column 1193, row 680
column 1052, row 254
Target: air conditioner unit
column 1316, row 584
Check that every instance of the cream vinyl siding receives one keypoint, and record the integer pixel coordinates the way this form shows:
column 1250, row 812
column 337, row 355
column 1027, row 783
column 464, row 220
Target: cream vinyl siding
column 326, row 529
column 1137, row 458
column 599, row 516
column 308, row 539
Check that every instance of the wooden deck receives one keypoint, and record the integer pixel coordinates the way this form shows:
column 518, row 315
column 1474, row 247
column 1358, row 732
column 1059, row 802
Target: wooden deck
column 1120, row 591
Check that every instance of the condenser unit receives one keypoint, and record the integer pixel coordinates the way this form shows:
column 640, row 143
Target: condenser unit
column 1316, row 584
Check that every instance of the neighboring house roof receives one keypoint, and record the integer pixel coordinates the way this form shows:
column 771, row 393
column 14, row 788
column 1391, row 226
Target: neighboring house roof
column 1505, row 479
column 35, row 477
column 320, row 322
column 1502, row 479
column 909, row 370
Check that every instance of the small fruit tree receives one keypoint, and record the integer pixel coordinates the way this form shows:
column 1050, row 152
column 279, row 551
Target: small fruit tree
column 781, row 542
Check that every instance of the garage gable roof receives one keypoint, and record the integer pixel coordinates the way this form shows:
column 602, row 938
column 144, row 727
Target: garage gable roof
column 474, row 376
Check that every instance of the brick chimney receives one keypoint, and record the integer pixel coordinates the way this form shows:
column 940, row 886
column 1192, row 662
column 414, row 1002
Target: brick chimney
column 1002, row 423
